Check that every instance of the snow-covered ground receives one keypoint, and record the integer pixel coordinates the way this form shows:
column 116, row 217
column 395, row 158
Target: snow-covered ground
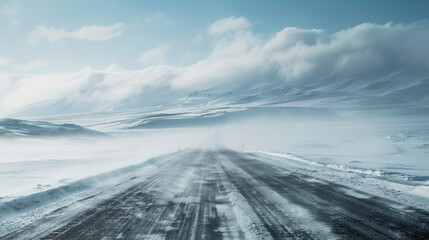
column 29, row 165
column 33, row 165
column 382, row 155
column 375, row 182
column 396, row 147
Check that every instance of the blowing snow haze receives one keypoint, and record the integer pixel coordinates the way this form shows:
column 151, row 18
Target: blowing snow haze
column 211, row 117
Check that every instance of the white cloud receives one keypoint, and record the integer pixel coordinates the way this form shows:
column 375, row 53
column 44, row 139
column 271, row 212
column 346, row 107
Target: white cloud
column 89, row 88
column 199, row 37
column 4, row 61
column 155, row 56
column 298, row 56
column 295, row 55
column 31, row 66
column 10, row 11
column 158, row 17
column 14, row 22
column 7, row 66
column 225, row 25
column 90, row 33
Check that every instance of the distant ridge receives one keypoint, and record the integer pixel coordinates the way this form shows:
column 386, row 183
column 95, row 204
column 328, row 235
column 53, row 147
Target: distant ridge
column 21, row 128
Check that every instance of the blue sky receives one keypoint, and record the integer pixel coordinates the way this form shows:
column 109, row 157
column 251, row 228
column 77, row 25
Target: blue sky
column 180, row 27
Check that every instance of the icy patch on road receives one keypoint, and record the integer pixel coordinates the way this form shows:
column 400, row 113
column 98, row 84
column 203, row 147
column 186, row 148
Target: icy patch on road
column 316, row 180
column 356, row 194
column 298, row 218
column 248, row 222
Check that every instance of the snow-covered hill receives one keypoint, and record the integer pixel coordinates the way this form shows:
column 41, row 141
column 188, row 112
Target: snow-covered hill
column 402, row 90
column 21, row 128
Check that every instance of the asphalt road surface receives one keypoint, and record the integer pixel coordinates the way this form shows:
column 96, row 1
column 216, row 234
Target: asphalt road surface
column 222, row 194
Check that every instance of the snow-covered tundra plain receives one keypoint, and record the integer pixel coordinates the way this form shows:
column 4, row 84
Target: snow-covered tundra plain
column 44, row 172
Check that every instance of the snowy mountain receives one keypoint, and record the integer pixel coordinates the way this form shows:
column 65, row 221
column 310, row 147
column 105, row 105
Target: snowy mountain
column 403, row 91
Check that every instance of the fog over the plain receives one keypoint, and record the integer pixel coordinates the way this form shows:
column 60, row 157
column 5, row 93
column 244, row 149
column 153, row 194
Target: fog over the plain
column 240, row 58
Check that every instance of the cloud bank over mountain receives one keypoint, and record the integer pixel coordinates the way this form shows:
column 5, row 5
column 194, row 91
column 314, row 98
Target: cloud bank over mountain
column 239, row 58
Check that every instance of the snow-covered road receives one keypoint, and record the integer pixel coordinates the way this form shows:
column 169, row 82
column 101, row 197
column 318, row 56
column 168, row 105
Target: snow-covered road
column 222, row 194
